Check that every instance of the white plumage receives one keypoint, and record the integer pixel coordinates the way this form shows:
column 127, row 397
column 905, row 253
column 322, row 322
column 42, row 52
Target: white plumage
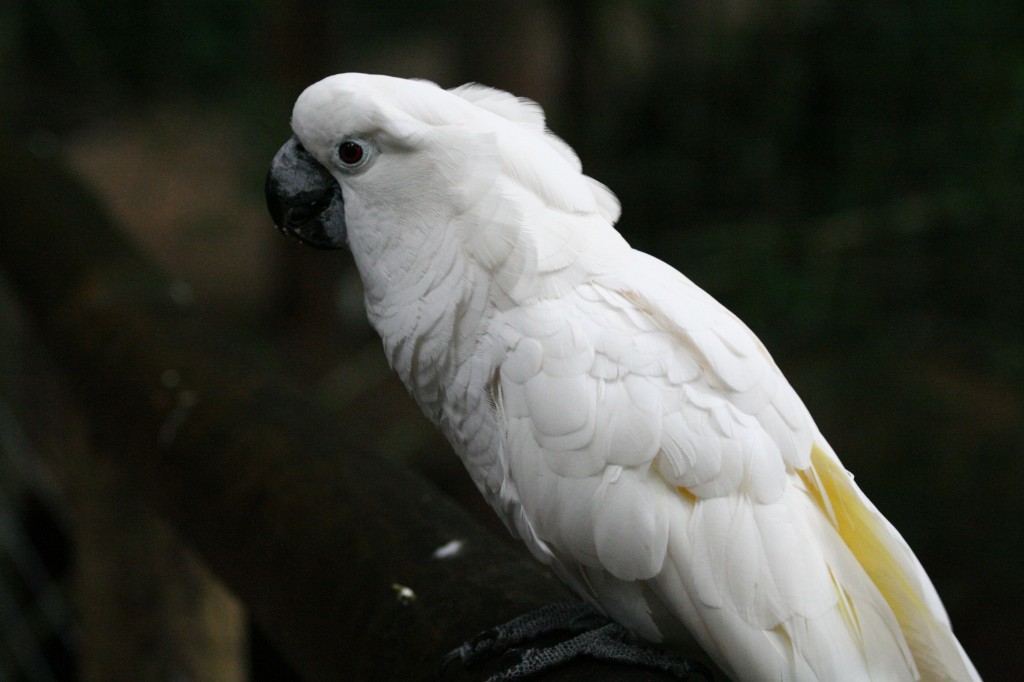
column 630, row 429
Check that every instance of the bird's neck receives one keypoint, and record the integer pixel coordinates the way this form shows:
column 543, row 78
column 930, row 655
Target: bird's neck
column 431, row 324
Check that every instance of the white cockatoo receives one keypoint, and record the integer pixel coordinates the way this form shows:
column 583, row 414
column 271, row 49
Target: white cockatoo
column 626, row 426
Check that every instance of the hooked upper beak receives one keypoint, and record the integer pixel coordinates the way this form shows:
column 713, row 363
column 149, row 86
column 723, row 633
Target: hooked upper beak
column 304, row 200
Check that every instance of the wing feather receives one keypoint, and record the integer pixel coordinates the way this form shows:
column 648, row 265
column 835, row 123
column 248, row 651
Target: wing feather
column 656, row 441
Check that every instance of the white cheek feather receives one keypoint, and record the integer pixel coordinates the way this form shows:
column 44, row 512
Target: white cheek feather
column 631, row 430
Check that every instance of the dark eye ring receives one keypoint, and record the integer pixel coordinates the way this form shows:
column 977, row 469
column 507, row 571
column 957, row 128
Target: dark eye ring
column 350, row 153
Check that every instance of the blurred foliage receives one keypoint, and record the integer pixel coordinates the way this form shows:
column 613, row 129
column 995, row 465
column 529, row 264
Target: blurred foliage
column 70, row 60
column 846, row 104
column 847, row 177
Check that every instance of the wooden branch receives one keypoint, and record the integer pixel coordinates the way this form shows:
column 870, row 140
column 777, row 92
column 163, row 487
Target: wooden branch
column 316, row 537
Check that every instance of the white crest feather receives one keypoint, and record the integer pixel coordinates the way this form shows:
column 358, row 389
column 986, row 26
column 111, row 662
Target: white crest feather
column 518, row 109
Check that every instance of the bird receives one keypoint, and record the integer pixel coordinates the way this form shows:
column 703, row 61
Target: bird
column 632, row 431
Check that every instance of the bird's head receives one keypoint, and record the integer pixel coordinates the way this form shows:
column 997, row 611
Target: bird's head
column 353, row 154
column 404, row 172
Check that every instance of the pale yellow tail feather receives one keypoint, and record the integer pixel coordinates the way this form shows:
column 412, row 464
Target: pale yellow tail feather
column 891, row 566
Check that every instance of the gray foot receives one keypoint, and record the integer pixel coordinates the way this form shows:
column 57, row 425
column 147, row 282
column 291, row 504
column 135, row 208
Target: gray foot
column 594, row 635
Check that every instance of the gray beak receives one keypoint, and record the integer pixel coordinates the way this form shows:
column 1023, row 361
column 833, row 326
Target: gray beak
column 304, row 200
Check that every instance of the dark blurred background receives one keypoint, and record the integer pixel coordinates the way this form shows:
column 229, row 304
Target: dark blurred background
column 847, row 177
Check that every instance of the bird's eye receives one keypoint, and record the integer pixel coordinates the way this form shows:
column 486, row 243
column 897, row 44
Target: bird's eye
column 351, row 153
